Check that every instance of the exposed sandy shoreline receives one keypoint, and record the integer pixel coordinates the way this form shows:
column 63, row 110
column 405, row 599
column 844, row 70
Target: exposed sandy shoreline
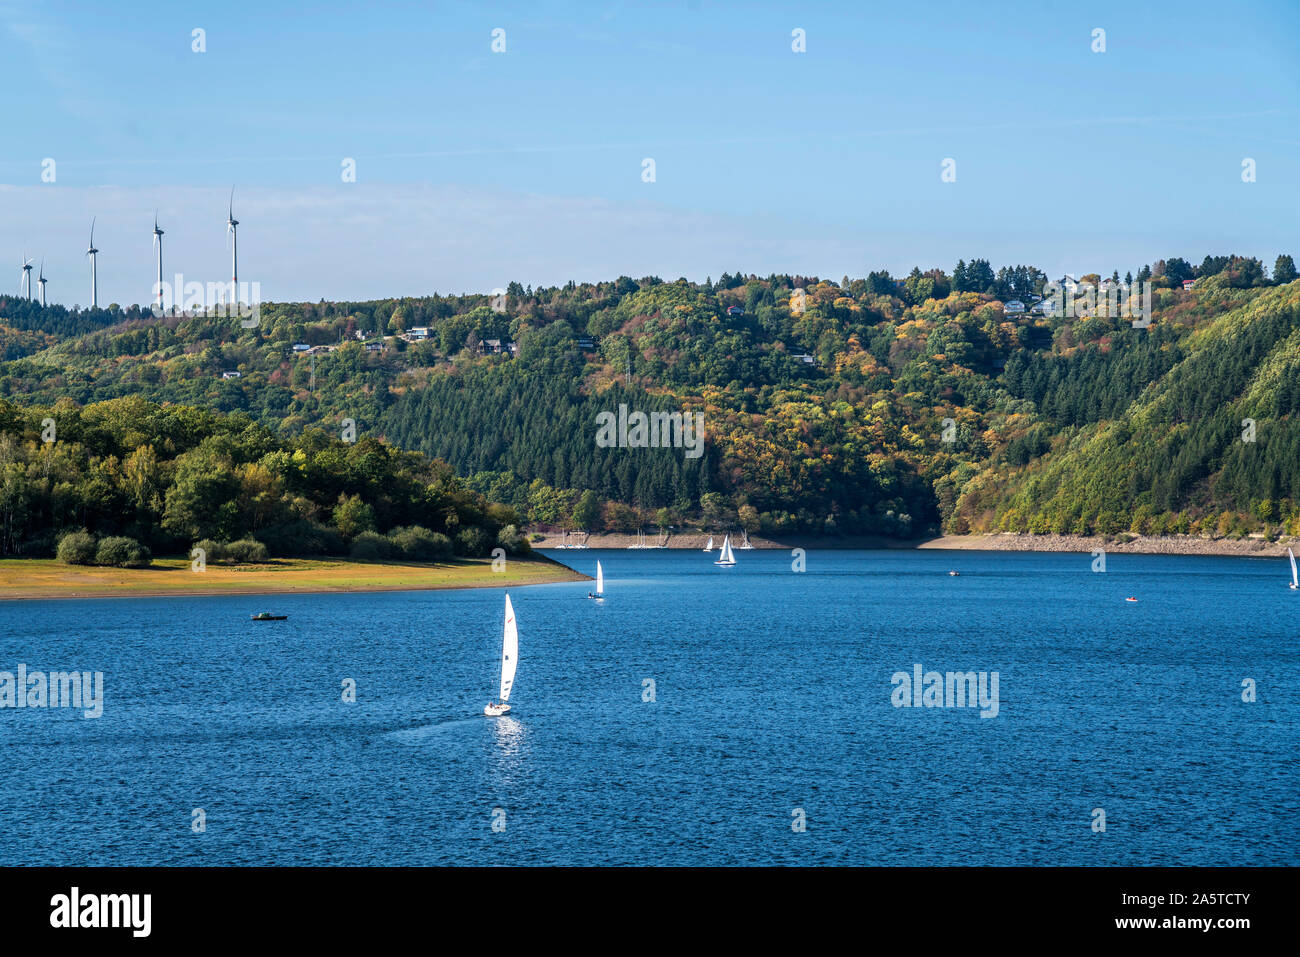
column 1011, row 542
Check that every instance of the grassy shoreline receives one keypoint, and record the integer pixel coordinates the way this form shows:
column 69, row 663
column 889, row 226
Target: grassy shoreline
column 43, row 578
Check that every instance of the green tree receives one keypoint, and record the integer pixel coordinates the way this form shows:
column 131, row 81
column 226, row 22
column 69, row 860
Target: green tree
column 353, row 516
column 586, row 514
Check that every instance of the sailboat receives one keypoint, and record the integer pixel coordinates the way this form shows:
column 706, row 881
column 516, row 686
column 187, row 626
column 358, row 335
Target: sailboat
column 726, row 557
column 745, row 543
column 1295, row 582
column 709, row 547
column 600, row 584
column 509, row 662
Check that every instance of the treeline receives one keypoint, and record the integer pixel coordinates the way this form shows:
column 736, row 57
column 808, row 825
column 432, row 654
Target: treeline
column 168, row 478
column 504, row 419
column 1090, row 384
column 1211, row 447
column 875, row 405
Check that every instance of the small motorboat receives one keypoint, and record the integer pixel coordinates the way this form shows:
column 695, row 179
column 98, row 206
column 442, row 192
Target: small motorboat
column 1130, row 599
column 954, row 574
column 267, row 616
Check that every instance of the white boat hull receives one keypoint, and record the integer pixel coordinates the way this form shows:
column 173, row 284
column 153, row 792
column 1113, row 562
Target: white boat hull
column 496, row 710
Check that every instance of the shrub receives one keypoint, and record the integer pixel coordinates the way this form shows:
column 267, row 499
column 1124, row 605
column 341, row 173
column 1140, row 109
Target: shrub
column 473, row 541
column 418, row 544
column 513, row 541
column 302, row 537
column 246, row 551
column 119, row 551
column 212, row 551
column 371, row 547
column 77, row 548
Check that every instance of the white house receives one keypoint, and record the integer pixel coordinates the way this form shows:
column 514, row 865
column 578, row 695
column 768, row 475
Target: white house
column 419, row 332
column 230, row 375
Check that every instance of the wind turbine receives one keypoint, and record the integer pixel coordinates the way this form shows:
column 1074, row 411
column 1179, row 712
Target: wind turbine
column 232, row 229
column 94, row 283
column 41, row 282
column 27, row 277
column 157, row 242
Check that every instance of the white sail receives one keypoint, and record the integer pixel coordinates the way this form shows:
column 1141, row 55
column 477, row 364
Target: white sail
column 726, row 557
column 509, row 652
column 1295, row 582
column 709, row 547
column 600, row 579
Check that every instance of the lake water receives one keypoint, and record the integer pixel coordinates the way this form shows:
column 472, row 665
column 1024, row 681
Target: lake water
column 772, row 692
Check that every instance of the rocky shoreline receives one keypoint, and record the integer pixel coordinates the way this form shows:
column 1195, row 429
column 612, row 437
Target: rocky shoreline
column 1006, row 541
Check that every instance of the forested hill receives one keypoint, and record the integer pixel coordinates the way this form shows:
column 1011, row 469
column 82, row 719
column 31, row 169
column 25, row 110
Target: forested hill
column 1212, row 445
column 942, row 401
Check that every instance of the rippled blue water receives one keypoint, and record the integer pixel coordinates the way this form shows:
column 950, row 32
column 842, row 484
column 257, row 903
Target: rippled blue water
column 772, row 690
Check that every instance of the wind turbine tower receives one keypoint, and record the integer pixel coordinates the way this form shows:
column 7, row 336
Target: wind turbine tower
column 94, row 282
column 157, row 242
column 27, row 278
column 41, row 282
column 232, row 227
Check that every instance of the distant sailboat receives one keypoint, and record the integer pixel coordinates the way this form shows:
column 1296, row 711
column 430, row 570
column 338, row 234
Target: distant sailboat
column 509, row 662
column 709, row 547
column 745, row 543
column 1295, row 582
column 600, row 584
column 726, row 557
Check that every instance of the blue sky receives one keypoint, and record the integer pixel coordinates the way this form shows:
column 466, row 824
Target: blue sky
column 476, row 168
